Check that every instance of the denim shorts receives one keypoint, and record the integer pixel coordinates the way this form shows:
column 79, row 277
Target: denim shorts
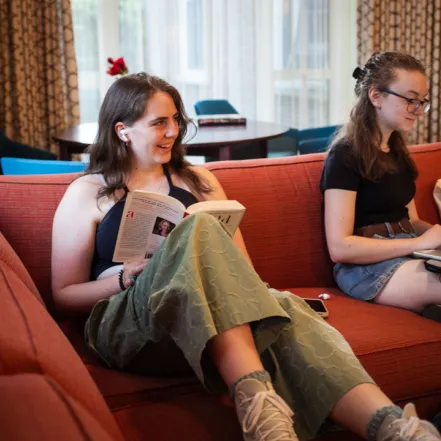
column 364, row 282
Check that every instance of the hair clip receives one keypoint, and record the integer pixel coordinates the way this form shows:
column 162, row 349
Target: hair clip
column 358, row 73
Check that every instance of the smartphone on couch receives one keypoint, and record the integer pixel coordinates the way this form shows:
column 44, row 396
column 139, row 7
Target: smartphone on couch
column 318, row 306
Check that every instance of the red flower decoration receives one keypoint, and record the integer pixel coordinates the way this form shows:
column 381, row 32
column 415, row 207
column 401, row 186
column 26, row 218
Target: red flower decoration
column 118, row 67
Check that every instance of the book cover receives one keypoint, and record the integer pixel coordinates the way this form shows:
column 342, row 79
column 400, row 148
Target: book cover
column 215, row 120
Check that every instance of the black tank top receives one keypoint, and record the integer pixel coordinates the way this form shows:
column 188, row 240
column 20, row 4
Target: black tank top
column 107, row 229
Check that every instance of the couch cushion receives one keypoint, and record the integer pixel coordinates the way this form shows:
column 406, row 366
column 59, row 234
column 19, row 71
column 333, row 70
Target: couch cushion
column 31, row 342
column 394, row 345
column 34, row 407
column 283, row 222
column 200, row 416
column 123, row 388
column 27, row 208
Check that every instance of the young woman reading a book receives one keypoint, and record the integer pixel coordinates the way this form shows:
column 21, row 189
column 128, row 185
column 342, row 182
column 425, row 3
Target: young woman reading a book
column 372, row 225
column 198, row 305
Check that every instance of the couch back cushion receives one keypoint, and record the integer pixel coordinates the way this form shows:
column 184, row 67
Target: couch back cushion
column 283, row 225
column 27, row 208
column 31, row 342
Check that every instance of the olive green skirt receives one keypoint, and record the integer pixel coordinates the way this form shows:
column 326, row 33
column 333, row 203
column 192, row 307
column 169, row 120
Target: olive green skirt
column 199, row 285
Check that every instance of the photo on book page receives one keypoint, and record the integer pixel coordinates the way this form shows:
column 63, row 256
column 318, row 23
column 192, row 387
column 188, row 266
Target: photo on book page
column 163, row 227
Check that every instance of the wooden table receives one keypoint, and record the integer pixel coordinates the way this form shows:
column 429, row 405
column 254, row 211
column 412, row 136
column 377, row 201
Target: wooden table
column 214, row 141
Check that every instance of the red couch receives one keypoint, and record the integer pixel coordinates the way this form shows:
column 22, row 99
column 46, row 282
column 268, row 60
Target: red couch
column 52, row 387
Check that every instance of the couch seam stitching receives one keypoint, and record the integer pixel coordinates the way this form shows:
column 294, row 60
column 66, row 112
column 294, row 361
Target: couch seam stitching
column 69, row 407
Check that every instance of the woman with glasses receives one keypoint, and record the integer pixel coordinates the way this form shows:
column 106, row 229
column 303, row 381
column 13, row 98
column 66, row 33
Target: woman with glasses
column 368, row 182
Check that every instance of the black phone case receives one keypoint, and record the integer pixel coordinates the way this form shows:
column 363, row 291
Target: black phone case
column 433, row 266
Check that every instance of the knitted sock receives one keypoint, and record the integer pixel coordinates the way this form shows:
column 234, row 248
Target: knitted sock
column 378, row 418
column 263, row 376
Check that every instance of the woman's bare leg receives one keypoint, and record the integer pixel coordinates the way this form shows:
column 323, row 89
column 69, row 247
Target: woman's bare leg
column 234, row 353
column 355, row 409
column 411, row 287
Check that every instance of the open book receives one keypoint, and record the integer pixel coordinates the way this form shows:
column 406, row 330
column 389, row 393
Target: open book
column 149, row 217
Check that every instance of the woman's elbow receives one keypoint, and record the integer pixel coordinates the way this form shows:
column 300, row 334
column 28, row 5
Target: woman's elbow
column 62, row 301
column 59, row 299
column 336, row 254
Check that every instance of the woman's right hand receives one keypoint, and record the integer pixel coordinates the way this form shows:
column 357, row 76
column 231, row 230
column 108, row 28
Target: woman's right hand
column 430, row 239
column 132, row 269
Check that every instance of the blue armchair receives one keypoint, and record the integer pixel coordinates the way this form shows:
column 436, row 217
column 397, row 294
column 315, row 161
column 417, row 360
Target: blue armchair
column 315, row 140
column 214, row 107
column 21, row 166
column 314, row 145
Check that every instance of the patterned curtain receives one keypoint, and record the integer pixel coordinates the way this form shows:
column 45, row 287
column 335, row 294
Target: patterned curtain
column 38, row 80
column 411, row 26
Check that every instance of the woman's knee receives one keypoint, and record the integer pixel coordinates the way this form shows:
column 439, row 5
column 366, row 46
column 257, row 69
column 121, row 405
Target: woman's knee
column 201, row 226
column 411, row 287
column 202, row 220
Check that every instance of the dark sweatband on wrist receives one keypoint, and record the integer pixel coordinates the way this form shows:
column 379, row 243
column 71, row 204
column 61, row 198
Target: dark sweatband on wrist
column 120, row 280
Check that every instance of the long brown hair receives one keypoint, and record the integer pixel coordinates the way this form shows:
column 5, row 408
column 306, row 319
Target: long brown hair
column 362, row 132
column 126, row 101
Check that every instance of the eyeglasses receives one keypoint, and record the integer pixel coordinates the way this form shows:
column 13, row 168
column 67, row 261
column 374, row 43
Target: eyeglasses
column 413, row 105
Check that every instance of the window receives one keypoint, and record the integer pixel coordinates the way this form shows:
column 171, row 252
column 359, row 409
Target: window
column 85, row 14
column 287, row 61
column 194, row 32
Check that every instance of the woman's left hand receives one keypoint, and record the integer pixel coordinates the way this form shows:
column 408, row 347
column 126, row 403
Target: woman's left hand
column 131, row 270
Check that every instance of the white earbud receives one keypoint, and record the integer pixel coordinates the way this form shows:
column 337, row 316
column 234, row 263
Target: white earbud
column 123, row 135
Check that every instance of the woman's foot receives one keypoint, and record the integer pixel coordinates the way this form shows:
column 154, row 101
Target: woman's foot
column 263, row 414
column 407, row 428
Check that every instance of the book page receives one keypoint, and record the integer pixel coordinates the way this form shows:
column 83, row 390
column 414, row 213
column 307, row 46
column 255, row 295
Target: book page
column 147, row 220
column 229, row 213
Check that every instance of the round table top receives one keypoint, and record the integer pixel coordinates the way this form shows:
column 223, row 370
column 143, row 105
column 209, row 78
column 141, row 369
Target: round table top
column 205, row 136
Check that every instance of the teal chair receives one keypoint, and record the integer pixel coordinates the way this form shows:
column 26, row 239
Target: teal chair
column 316, row 132
column 314, row 145
column 214, row 107
column 285, row 145
column 315, row 140
column 21, row 166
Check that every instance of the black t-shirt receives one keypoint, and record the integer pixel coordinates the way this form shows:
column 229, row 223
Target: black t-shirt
column 377, row 202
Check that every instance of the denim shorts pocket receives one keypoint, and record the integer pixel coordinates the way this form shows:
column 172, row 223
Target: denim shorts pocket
column 353, row 280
